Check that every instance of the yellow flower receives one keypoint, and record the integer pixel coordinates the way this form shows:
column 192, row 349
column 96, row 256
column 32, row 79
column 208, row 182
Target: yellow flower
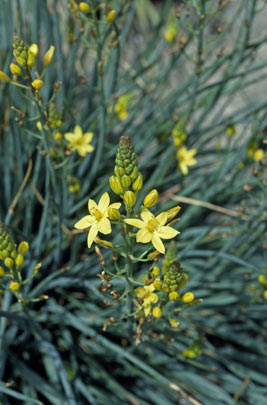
column 152, row 229
column 79, row 141
column 185, row 158
column 98, row 220
column 14, row 286
column 147, row 296
column 258, row 155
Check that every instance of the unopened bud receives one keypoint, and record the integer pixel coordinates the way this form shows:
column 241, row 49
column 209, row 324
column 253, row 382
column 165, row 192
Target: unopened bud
column 49, row 56
column 23, row 248
column 9, row 262
column 111, row 16
column 115, row 185
column 171, row 213
column 126, row 181
column 37, row 84
column 138, row 183
column 114, row 213
column 84, row 7
column 129, row 198
column 15, row 69
column 4, row 77
column 151, row 198
column 19, row 260
column 33, row 49
column 30, row 60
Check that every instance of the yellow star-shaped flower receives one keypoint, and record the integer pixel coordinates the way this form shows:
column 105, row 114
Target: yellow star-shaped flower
column 185, row 158
column 79, row 141
column 152, row 229
column 148, row 297
column 98, row 220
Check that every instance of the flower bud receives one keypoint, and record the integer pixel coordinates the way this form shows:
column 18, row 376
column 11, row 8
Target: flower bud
column 173, row 295
column 126, row 181
column 23, row 248
column 21, row 61
column 14, row 286
column 265, row 294
column 129, row 198
column 4, row 77
column 157, row 312
column 34, row 50
column 188, row 297
column 115, row 185
column 114, row 213
column 138, row 183
column 104, row 243
column 157, row 284
column 9, row 262
column 37, row 268
column 37, row 84
column 39, row 126
column 30, row 60
column 2, row 271
column 111, row 16
column 19, row 260
column 84, row 7
column 15, row 69
column 155, row 271
column 151, row 198
column 49, row 56
column 172, row 212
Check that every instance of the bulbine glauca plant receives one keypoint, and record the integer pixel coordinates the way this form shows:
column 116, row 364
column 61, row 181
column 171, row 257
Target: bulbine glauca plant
column 146, row 291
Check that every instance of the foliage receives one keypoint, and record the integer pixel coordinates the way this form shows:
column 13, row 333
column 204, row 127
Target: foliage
column 182, row 83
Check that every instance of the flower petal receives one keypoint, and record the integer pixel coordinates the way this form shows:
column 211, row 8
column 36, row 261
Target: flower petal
column 143, row 236
column 146, row 215
column 104, row 226
column 135, row 222
column 115, row 205
column 167, row 232
column 104, row 202
column 78, row 131
column 153, row 298
column 85, row 222
column 88, row 136
column 162, row 218
column 69, row 136
column 91, row 205
column 91, row 235
column 157, row 243
column 147, row 309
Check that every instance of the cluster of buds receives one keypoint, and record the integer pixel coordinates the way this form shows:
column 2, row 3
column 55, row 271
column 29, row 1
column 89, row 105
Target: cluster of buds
column 12, row 257
column 127, row 179
column 174, row 278
column 25, row 57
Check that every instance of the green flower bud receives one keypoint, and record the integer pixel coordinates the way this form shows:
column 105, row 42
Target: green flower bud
column 9, row 262
column 138, row 183
column 151, row 198
column 115, row 185
column 30, row 60
column 114, row 213
column 126, row 181
column 129, row 198
column 19, row 260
